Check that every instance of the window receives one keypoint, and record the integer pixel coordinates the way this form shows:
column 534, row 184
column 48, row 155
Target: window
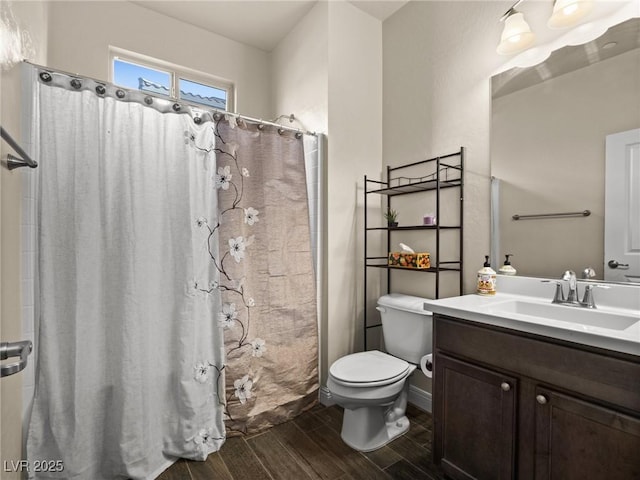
column 205, row 94
column 136, row 72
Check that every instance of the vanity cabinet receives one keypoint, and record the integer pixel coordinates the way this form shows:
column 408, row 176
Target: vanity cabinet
column 478, row 407
column 581, row 439
column 508, row 404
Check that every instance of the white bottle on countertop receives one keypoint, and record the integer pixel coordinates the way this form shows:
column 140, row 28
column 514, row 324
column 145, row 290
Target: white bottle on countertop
column 486, row 279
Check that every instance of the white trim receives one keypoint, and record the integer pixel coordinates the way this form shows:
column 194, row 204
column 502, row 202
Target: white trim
column 420, row 398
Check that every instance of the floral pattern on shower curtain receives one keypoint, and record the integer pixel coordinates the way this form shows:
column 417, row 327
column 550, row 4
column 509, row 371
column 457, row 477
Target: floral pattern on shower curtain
column 267, row 281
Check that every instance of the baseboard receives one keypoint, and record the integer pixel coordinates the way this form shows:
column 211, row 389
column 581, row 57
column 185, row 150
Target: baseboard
column 325, row 398
column 420, row 398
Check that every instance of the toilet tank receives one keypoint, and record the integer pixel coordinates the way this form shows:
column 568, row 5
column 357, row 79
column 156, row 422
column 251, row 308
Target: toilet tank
column 406, row 326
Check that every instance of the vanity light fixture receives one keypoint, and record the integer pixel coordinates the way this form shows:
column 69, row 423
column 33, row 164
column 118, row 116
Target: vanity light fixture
column 567, row 13
column 516, row 36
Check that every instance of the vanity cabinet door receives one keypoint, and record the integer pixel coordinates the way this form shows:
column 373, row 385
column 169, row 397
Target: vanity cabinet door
column 474, row 415
column 576, row 439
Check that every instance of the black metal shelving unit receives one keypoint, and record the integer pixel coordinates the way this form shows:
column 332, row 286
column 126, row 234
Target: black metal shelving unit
column 443, row 172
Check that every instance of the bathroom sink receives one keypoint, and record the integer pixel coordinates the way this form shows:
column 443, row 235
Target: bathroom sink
column 563, row 313
column 524, row 304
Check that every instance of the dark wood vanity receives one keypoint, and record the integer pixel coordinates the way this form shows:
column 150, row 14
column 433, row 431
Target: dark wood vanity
column 509, row 404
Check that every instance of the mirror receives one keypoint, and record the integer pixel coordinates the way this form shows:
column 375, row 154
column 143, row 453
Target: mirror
column 548, row 130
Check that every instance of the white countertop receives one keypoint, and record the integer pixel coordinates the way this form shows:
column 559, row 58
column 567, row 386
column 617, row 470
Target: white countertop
column 622, row 304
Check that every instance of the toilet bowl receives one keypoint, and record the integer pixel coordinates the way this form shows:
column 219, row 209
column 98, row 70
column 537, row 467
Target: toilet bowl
column 373, row 386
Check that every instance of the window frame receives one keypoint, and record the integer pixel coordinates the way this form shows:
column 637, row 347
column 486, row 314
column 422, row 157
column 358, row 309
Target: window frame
column 176, row 73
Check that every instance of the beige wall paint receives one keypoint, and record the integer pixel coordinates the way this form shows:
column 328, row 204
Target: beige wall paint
column 438, row 60
column 300, row 67
column 354, row 149
column 328, row 71
column 80, row 34
column 31, row 17
column 548, row 148
column 300, row 77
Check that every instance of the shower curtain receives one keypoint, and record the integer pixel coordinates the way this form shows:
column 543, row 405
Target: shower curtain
column 129, row 356
column 175, row 284
column 267, row 276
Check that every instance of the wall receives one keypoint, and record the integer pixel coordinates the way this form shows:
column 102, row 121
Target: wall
column 354, row 150
column 328, row 71
column 438, row 60
column 300, row 76
column 81, row 33
column 32, row 17
column 299, row 72
column 566, row 171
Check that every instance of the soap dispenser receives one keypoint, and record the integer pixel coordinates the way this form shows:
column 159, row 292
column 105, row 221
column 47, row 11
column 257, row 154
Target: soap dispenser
column 507, row 268
column 486, row 279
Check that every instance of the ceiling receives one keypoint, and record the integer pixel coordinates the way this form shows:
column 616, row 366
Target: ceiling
column 259, row 23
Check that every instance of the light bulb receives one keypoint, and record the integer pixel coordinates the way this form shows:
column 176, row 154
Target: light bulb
column 567, row 13
column 516, row 36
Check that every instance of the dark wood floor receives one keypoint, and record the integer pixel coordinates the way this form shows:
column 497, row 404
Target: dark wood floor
column 310, row 447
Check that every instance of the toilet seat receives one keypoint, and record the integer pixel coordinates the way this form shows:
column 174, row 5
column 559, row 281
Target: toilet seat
column 368, row 369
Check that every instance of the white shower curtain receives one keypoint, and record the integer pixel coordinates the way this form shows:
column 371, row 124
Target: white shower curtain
column 129, row 347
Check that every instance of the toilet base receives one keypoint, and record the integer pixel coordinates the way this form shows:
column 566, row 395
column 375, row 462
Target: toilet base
column 369, row 427
column 365, row 429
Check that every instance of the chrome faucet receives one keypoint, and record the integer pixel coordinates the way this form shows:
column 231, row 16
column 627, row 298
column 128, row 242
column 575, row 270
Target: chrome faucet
column 572, row 296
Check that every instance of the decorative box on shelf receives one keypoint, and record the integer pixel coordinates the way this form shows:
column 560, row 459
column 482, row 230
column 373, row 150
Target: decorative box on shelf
column 419, row 260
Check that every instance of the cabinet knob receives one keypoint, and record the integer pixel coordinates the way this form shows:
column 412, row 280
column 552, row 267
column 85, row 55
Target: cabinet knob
column 541, row 399
column 505, row 386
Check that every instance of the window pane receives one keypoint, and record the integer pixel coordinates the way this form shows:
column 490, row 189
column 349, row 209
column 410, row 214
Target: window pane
column 137, row 77
column 203, row 94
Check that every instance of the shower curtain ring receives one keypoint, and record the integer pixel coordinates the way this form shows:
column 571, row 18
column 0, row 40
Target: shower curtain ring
column 176, row 107
column 45, row 77
column 75, row 83
column 120, row 93
column 100, row 90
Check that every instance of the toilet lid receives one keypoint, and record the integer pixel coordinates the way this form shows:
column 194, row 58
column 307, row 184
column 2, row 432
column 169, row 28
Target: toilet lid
column 368, row 367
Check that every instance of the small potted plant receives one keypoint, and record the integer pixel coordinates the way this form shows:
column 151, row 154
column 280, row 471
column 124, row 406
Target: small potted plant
column 391, row 215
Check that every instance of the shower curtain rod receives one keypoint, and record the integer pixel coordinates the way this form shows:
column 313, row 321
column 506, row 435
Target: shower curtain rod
column 215, row 112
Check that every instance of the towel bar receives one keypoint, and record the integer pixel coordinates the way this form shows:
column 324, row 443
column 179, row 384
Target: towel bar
column 584, row 213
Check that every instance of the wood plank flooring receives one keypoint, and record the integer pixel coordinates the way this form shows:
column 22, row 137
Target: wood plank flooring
column 310, row 447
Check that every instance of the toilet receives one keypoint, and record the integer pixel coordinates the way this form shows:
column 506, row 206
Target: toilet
column 373, row 386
